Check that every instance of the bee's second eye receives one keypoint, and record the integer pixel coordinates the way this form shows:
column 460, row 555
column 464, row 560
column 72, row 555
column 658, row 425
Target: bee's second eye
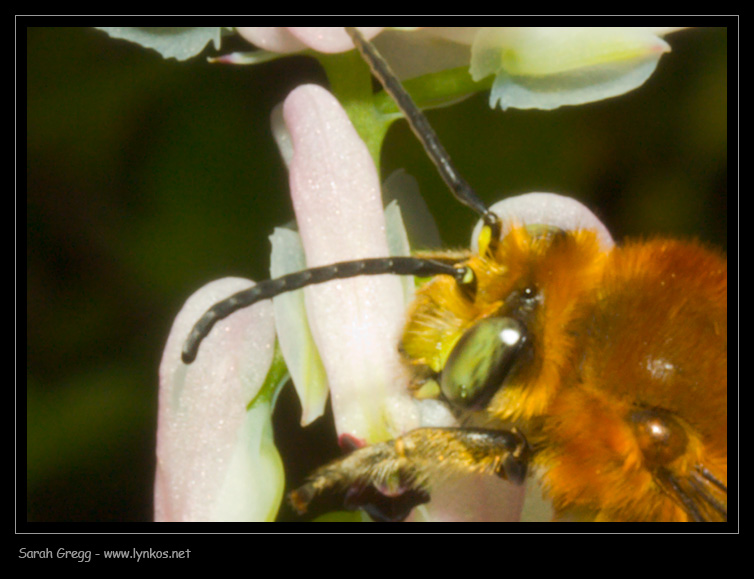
column 481, row 360
column 661, row 437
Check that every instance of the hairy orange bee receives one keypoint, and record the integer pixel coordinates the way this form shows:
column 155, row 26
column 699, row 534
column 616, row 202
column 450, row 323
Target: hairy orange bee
column 603, row 370
column 625, row 419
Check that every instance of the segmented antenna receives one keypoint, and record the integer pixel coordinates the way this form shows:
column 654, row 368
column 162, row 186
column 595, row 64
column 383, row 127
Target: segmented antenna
column 274, row 287
column 421, row 128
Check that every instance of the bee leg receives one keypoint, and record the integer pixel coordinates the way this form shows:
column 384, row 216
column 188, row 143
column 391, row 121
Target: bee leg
column 390, row 478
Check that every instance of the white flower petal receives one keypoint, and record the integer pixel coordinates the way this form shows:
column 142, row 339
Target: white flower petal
column 294, row 335
column 419, row 52
column 204, row 445
column 550, row 67
column 551, row 92
column 356, row 322
column 546, row 209
column 330, row 39
column 295, row 39
column 419, row 224
column 397, row 241
column 271, row 38
column 473, row 498
column 252, row 489
column 281, row 135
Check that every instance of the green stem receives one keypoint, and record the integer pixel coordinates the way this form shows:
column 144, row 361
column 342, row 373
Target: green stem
column 371, row 114
column 351, row 83
column 434, row 89
column 277, row 376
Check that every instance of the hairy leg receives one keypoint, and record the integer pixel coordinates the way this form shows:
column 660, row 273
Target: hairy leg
column 388, row 479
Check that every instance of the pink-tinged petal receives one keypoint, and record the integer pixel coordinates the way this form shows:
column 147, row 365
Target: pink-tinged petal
column 321, row 39
column 213, row 460
column 474, row 498
column 546, row 209
column 330, row 39
column 271, row 38
column 356, row 322
column 418, row 52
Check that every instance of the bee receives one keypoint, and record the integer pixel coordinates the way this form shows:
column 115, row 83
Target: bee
column 532, row 340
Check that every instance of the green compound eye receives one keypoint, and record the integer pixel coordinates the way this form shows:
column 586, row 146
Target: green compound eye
column 481, row 360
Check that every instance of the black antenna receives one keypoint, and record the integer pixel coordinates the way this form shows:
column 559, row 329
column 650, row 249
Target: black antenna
column 274, row 287
column 421, row 128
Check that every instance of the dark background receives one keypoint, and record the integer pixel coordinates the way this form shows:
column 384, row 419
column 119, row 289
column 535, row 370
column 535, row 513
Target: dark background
column 148, row 178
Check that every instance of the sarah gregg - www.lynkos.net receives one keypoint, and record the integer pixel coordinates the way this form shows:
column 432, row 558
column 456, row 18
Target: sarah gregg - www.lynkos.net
column 85, row 556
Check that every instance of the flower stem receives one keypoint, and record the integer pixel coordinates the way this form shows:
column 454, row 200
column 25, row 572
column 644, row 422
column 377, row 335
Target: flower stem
column 351, row 83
